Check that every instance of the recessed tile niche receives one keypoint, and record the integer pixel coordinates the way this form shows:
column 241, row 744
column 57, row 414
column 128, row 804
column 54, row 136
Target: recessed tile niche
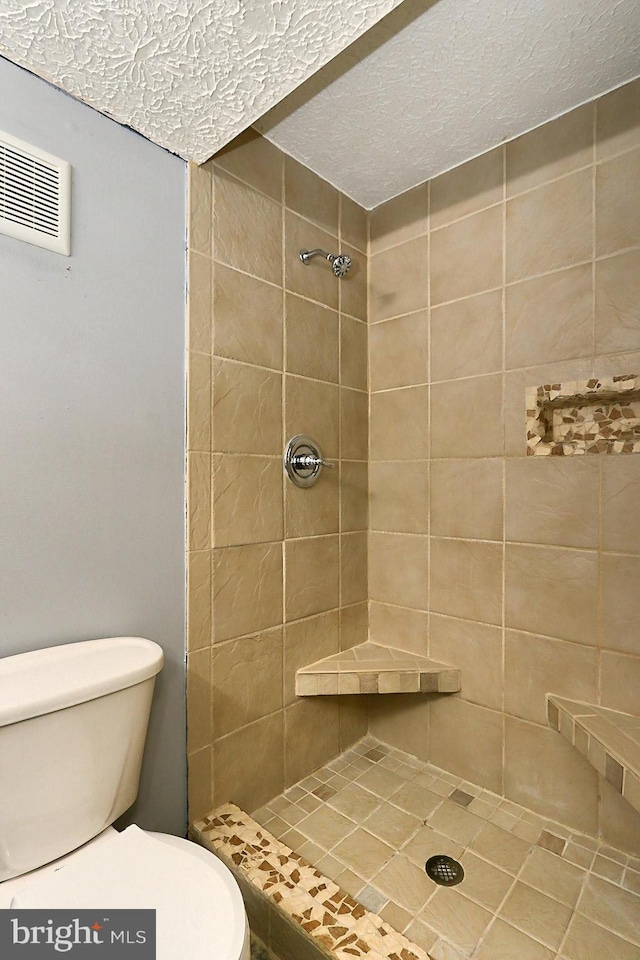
column 600, row 415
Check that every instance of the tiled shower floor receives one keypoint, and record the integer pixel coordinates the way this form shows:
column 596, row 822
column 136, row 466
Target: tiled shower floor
column 532, row 890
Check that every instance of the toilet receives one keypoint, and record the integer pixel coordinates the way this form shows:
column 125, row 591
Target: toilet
column 73, row 723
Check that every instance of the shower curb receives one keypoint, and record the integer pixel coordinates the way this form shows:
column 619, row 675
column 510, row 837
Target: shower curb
column 298, row 913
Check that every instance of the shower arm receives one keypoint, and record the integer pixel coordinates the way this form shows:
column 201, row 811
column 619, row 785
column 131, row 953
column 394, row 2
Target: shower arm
column 306, row 255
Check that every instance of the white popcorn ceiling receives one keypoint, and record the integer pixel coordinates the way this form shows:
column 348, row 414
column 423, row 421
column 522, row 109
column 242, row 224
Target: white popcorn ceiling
column 188, row 74
column 436, row 83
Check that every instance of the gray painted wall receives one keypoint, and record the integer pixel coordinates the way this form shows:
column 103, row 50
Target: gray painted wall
column 92, row 414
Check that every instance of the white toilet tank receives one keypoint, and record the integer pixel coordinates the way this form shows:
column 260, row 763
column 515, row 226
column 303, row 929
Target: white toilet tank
column 73, row 722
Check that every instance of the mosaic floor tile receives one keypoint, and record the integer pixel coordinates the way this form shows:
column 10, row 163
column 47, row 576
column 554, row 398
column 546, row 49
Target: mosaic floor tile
column 533, row 889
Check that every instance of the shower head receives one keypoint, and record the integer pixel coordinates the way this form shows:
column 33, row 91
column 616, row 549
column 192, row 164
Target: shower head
column 340, row 262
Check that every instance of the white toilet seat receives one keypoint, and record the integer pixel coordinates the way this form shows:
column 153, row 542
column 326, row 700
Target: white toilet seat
column 199, row 910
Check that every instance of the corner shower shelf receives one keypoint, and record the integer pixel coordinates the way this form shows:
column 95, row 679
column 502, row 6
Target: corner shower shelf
column 373, row 668
column 608, row 739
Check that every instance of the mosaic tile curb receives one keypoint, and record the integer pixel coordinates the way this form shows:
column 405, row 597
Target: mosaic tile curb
column 584, row 416
column 374, row 668
column 338, row 925
column 608, row 739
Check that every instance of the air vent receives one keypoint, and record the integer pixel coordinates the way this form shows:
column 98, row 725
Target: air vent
column 35, row 195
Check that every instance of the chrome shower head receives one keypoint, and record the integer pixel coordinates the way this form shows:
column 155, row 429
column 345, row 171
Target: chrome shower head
column 340, row 262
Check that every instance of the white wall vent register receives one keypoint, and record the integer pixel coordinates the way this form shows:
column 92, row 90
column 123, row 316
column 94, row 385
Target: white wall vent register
column 35, row 195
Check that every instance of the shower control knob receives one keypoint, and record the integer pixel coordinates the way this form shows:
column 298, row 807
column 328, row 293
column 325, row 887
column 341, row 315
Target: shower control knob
column 303, row 461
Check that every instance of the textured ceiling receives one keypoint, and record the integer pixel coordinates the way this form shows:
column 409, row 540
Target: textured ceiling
column 187, row 74
column 439, row 81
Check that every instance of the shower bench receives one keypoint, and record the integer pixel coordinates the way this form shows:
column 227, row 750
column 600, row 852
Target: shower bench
column 608, row 739
column 374, row 668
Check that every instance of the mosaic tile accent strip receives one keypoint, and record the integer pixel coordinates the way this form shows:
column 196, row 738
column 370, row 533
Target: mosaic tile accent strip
column 608, row 739
column 600, row 415
column 340, row 925
column 374, row 668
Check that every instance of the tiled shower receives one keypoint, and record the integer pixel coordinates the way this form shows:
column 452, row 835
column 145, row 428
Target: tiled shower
column 436, row 533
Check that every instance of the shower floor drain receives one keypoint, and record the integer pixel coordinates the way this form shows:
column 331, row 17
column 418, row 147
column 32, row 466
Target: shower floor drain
column 444, row 870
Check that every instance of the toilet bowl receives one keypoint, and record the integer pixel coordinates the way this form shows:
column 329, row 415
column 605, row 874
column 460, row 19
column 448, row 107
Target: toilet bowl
column 59, row 708
column 199, row 909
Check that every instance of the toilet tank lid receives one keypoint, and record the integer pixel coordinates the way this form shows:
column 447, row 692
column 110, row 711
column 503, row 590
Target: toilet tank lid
column 42, row 681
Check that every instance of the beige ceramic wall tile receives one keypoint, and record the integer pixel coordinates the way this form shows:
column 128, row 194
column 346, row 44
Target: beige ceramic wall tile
column 618, row 203
column 400, row 219
column 255, row 160
column 353, row 287
column 399, row 351
column 619, row 681
column 354, row 413
column 553, row 500
column 550, row 151
column 403, row 722
column 621, row 504
column 353, row 568
column 353, row 224
column 620, row 604
column 198, row 599
column 466, row 418
column 199, row 303
column 470, row 187
column 312, row 576
column 475, row 322
column 467, row 740
column 247, row 676
column 312, row 736
column 398, row 568
column 552, row 592
column 466, row 579
column 535, row 666
column 353, row 353
column 354, row 626
column 247, row 500
column 466, row 257
column 563, row 788
column 399, row 496
column 618, row 120
column 354, row 506
column 617, row 294
column 199, row 208
column 199, row 501
column 310, row 196
column 200, row 783
column 466, row 499
column 199, row 402
column 312, row 339
column 476, row 649
column 247, row 408
column 247, row 229
column 248, row 318
column 550, row 318
column 310, row 511
column 399, row 424
column 247, row 589
column 390, row 298
column 550, row 227
column 306, row 641
column 314, row 280
column 248, row 765
column 619, row 822
column 311, row 408
column 399, row 627
column 199, row 699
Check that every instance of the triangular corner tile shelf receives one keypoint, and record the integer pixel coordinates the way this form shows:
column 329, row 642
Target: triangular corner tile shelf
column 608, row 739
column 374, row 668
